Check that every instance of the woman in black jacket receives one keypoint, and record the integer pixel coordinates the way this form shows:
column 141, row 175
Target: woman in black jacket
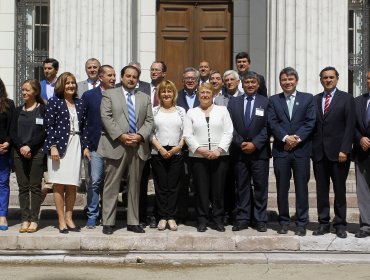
column 6, row 113
column 28, row 136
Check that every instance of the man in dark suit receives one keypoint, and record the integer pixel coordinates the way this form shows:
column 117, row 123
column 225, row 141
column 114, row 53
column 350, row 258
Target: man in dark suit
column 243, row 63
column 291, row 119
column 204, row 72
column 251, row 154
column 94, row 163
column 187, row 97
column 362, row 159
column 332, row 144
column 127, row 121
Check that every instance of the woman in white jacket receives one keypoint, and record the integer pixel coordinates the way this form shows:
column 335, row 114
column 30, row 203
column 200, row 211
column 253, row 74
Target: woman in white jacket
column 208, row 133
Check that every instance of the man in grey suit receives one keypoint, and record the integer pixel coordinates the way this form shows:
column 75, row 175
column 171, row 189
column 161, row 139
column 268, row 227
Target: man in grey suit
column 231, row 82
column 91, row 67
column 127, row 120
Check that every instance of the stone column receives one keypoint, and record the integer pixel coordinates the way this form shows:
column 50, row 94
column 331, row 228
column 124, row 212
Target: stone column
column 308, row 36
column 90, row 28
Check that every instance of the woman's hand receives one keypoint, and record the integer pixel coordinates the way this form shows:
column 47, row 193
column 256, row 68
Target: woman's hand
column 87, row 153
column 204, row 152
column 175, row 150
column 164, row 153
column 54, row 153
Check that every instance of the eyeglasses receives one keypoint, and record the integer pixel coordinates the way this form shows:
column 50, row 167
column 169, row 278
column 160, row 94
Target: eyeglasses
column 155, row 70
column 190, row 79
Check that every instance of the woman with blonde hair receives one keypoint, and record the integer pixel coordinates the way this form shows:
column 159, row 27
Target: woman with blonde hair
column 65, row 121
column 167, row 160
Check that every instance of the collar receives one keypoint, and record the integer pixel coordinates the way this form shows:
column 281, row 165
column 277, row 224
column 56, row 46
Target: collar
column 292, row 95
column 331, row 92
column 187, row 93
column 253, row 96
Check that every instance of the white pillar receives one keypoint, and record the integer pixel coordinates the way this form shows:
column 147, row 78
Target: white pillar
column 308, row 36
column 90, row 28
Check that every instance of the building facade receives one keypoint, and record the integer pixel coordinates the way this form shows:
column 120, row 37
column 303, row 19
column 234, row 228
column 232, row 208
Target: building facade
column 307, row 35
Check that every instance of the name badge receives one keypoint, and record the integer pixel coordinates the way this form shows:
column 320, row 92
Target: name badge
column 39, row 121
column 260, row 112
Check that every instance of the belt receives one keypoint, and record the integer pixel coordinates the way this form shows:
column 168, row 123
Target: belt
column 75, row 132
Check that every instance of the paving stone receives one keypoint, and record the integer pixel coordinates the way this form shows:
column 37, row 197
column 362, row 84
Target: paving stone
column 114, row 242
column 316, row 243
column 39, row 241
column 214, row 242
column 267, row 243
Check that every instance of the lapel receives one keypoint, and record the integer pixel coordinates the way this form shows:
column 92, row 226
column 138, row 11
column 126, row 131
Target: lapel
column 335, row 99
column 78, row 105
column 284, row 105
column 319, row 104
column 119, row 93
column 363, row 109
column 297, row 101
column 138, row 102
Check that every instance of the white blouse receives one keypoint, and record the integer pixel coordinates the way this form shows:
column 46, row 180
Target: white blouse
column 168, row 127
column 218, row 133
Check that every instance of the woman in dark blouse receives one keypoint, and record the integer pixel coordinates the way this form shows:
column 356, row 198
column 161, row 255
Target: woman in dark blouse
column 6, row 112
column 28, row 136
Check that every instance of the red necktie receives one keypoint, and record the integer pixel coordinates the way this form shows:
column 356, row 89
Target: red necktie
column 327, row 102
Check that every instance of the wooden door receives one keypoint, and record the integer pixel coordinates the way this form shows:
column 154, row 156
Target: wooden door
column 191, row 31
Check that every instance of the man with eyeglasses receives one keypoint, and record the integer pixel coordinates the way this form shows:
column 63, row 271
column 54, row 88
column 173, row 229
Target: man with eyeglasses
column 187, row 98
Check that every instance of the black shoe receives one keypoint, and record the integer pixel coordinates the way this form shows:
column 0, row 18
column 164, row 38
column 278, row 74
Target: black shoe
column 239, row 226
column 153, row 222
column 362, row 234
column 63, row 230
column 283, row 229
column 341, row 233
column 300, row 231
column 321, row 230
column 135, row 228
column 218, row 227
column 142, row 224
column 201, row 228
column 261, row 227
column 75, row 229
column 107, row 230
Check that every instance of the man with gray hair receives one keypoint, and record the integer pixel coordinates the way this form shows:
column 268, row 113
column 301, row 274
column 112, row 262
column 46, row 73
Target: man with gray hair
column 91, row 67
column 231, row 83
column 187, row 97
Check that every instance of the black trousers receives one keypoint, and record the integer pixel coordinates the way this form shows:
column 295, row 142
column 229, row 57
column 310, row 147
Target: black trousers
column 324, row 170
column 143, row 199
column 209, row 179
column 167, row 175
column 29, row 176
column 283, row 167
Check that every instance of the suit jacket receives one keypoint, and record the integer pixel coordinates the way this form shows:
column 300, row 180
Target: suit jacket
column 255, row 132
column 181, row 100
column 82, row 87
column 362, row 128
column 57, row 124
column 44, row 95
column 223, row 100
column 302, row 123
column 334, row 130
column 115, row 120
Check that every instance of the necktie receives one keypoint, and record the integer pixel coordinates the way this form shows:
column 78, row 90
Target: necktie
column 155, row 98
column 290, row 105
column 131, row 114
column 94, row 84
column 368, row 115
column 327, row 102
column 247, row 113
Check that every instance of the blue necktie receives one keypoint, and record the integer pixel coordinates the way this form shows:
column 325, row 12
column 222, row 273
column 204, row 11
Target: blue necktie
column 247, row 113
column 131, row 114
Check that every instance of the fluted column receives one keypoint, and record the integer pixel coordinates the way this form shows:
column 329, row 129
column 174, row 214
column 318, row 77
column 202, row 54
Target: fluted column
column 90, row 28
column 307, row 35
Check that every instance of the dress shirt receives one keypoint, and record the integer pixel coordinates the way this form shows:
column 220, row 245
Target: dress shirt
column 125, row 93
column 152, row 93
column 331, row 98
column 90, row 83
column 190, row 99
column 50, row 87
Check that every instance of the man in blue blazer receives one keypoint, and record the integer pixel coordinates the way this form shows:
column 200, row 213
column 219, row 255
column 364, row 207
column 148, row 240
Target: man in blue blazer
column 251, row 153
column 362, row 159
column 331, row 146
column 291, row 120
column 94, row 163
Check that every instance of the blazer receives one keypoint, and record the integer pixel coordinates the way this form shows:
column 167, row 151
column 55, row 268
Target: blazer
column 334, row 131
column 362, row 128
column 115, row 121
column 302, row 123
column 57, row 124
column 38, row 131
column 223, row 100
column 92, row 99
column 44, row 95
column 5, row 122
column 181, row 100
column 82, row 87
column 256, row 132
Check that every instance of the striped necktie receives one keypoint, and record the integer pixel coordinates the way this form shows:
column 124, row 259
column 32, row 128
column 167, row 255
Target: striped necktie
column 327, row 102
column 131, row 114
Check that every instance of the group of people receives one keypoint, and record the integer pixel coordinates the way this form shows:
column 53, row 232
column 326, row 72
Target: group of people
column 215, row 133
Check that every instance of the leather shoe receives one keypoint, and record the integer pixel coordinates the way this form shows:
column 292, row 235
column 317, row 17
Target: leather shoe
column 107, row 230
column 74, row 229
column 300, row 231
column 261, row 227
column 218, row 227
column 341, row 233
column 135, row 228
column 201, row 228
column 63, row 230
column 321, row 230
column 153, row 222
column 239, row 227
column 283, row 229
column 362, row 234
